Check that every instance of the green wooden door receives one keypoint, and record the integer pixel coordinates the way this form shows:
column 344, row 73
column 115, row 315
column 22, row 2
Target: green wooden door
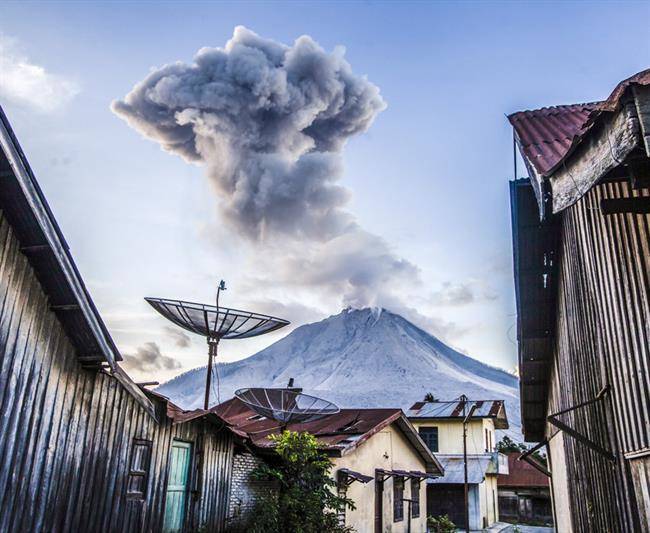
column 177, row 486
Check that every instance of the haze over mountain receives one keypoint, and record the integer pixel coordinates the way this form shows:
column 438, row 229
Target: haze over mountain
column 359, row 358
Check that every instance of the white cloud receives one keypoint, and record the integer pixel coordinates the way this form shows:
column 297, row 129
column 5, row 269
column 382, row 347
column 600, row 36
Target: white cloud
column 25, row 83
column 463, row 293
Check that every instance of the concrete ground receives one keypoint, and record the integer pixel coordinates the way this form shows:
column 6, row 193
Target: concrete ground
column 503, row 527
column 526, row 529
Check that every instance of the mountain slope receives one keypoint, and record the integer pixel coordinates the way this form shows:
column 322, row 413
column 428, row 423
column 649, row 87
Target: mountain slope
column 359, row 358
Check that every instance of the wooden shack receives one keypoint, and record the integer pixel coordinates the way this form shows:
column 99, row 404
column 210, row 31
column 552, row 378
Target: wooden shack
column 82, row 448
column 581, row 234
column 524, row 494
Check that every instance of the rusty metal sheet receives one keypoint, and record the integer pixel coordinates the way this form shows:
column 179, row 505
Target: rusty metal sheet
column 454, row 409
column 521, row 474
column 548, row 135
column 348, row 427
column 545, row 135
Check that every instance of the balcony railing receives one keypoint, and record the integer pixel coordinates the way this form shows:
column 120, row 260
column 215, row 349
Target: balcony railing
column 498, row 464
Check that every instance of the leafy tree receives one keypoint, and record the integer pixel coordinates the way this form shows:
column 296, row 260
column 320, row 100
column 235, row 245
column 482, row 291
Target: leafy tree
column 429, row 397
column 507, row 445
column 306, row 500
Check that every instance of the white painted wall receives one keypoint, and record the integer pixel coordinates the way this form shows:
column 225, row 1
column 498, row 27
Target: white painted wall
column 559, row 485
column 389, row 450
column 481, row 436
column 450, row 434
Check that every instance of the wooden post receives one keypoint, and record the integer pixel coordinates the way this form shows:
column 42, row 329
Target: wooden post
column 466, row 417
column 379, row 501
column 408, row 524
column 463, row 398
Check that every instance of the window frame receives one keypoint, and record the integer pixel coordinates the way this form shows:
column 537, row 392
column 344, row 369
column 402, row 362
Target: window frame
column 415, row 497
column 398, row 502
column 431, row 429
column 142, row 472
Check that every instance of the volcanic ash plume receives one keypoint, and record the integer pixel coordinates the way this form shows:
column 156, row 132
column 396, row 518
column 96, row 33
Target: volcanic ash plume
column 269, row 122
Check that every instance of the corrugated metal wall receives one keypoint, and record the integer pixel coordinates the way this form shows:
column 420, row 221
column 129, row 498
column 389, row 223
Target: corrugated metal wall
column 66, row 432
column 603, row 338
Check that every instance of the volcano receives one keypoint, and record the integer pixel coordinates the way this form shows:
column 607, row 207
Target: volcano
column 359, row 358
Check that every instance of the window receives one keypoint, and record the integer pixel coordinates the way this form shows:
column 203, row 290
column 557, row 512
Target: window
column 415, row 497
column 398, row 499
column 136, row 486
column 430, row 437
column 342, row 490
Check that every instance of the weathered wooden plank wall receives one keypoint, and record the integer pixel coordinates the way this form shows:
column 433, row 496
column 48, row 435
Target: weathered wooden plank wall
column 66, row 432
column 603, row 338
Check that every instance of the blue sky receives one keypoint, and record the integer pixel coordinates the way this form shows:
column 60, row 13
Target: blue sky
column 429, row 176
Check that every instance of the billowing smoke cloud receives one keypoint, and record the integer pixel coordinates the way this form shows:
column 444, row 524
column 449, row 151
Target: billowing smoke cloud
column 356, row 265
column 269, row 121
column 180, row 338
column 148, row 358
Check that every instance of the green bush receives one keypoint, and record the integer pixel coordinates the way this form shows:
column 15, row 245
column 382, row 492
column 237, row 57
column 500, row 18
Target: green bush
column 306, row 500
column 440, row 524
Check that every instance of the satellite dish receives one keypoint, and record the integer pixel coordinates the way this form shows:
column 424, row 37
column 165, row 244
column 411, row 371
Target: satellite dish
column 215, row 323
column 286, row 405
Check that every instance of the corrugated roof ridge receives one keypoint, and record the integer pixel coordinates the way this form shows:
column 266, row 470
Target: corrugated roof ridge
column 553, row 109
column 470, row 400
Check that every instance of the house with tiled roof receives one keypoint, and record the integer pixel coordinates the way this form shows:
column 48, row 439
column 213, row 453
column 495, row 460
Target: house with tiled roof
column 379, row 461
column 441, row 425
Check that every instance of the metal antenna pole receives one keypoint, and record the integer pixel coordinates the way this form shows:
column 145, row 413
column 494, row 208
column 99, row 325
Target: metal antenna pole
column 213, row 344
column 220, row 287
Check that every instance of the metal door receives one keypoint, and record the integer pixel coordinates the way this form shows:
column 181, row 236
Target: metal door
column 177, row 487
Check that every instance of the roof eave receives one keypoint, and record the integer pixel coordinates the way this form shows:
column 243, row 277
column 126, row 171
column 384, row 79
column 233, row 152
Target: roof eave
column 52, row 234
column 373, row 431
column 432, row 464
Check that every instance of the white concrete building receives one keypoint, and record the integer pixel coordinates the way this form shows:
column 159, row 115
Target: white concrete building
column 440, row 424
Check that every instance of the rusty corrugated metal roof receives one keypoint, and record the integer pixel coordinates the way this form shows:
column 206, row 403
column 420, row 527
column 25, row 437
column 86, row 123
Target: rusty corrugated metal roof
column 339, row 433
column 178, row 415
column 547, row 135
column 334, row 432
column 521, row 474
column 454, row 409
column 611, row 104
